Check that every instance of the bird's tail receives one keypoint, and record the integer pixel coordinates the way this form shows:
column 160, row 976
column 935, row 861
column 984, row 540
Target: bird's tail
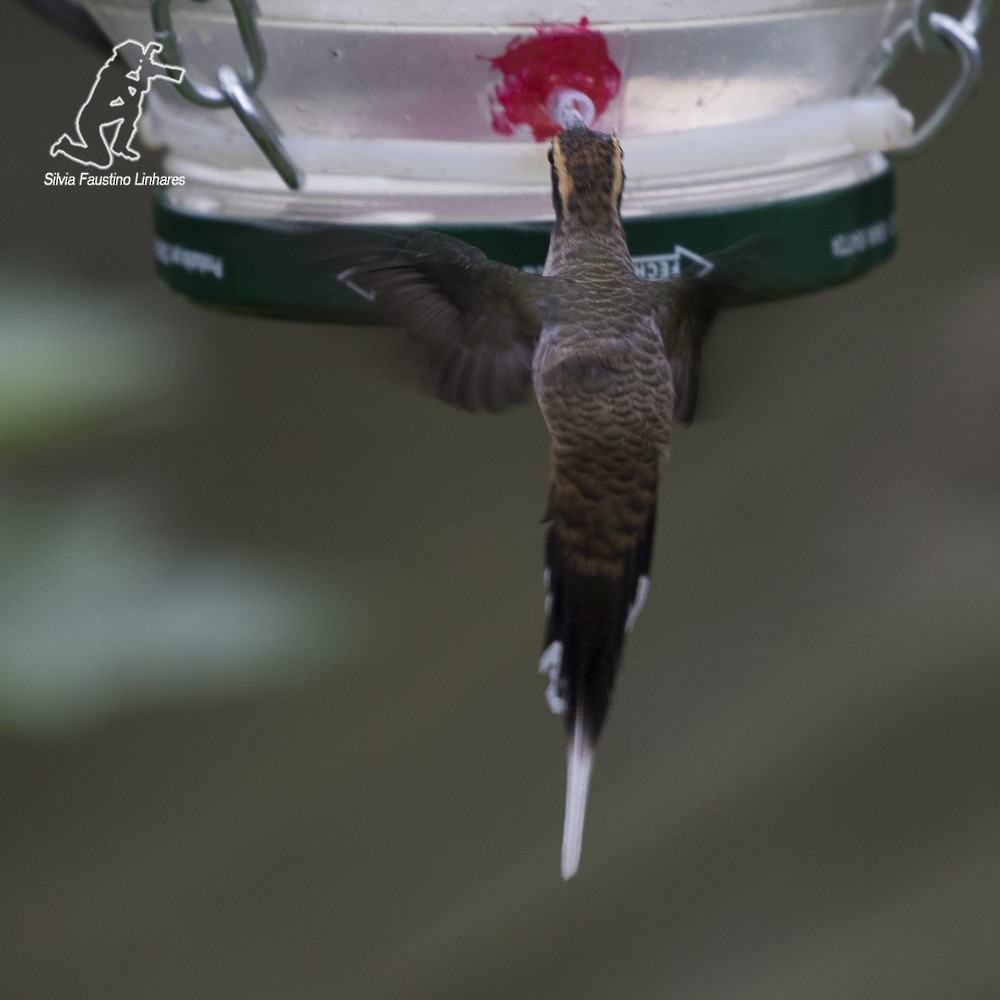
column 590, row 608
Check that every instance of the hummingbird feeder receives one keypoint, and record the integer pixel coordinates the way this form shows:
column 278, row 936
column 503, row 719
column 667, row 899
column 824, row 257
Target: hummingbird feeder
column 736, row 118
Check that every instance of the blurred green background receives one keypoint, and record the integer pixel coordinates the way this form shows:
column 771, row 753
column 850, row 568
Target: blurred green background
column 270, row 722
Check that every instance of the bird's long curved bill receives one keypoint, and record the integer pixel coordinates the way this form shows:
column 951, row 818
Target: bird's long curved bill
column 579, row 761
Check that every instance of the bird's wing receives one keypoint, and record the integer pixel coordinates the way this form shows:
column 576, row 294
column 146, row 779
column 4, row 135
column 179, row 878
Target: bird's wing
column 472, row 322
column 685, row 307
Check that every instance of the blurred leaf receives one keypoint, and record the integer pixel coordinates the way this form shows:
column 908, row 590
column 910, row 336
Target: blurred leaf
column 71, row 361
column 99, row 611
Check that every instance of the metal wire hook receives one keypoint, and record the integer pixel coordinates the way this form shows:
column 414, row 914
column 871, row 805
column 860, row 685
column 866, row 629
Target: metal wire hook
column 922, row 30
column 975, row 16
column 235, row 90
column 245, row 13
column 260, row 126
column 928, row 37
column 950, row 34
column 930, row 31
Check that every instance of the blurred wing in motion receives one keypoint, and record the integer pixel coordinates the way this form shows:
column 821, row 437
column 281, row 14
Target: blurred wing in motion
column 686, row 305
column 472, row 322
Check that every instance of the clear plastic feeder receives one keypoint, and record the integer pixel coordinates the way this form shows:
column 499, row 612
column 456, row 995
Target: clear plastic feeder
column 734, row 115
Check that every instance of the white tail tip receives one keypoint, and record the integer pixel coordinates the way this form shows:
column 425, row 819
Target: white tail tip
column 580, row 759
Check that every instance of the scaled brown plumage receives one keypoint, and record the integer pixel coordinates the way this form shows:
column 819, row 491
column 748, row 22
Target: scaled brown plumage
column 612, row 359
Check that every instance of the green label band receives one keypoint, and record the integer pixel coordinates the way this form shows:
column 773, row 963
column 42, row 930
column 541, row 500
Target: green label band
column 810, row 243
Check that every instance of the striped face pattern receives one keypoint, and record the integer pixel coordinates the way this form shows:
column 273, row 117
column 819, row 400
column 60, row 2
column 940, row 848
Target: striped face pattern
column 588, row 175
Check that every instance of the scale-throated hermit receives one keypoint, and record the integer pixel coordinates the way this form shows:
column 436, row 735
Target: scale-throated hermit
column 612, row 359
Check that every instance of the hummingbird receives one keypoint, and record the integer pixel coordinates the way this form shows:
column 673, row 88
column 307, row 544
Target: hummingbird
column 612, row 359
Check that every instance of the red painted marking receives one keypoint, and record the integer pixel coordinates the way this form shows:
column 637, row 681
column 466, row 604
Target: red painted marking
column 559, row 56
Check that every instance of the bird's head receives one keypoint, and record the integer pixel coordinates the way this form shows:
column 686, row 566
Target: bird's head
column 587, row 176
